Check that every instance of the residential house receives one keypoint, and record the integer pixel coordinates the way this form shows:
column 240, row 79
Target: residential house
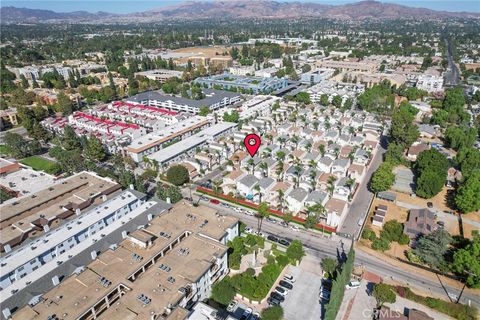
column 419, row 222
column 340, row 167
column 246, row 185
column 416, row 149
column 325, row 164
column 336, row 210
column 296, row 199
column 315, row 197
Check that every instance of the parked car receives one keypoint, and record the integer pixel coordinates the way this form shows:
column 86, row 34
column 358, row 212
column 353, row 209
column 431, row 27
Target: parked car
column 272, row 238
column 214, row 201
column 281, row 291
column 255, row 316
column 430, row 205
column 286, row 284
column 289, row 278
column 353, row 285
column 277, row 296
column 249, row 213
column 273, row 302
column 294, row 227
column 232, row 305
column 260, row 234
column 324, row 294
column 248, row 230
column 271, row 220
column 284, row 242
column 360, row 222
column 246, row 314
column 283, row 224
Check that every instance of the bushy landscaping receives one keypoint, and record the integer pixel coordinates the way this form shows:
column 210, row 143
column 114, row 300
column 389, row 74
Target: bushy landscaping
column 41, row 164
column 249, row 284
column 454, row 310
column 392, row 232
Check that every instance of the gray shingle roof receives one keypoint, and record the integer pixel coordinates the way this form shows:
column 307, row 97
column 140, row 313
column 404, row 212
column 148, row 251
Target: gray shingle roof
column 266, row 182
column 316, row 196
column 298, row 194
column 249, row 180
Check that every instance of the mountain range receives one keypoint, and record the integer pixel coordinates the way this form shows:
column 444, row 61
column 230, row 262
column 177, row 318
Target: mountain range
column 236, row 9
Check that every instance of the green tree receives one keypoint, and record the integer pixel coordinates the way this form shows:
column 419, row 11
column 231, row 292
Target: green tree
column 262, row 213
column 466, row 262
column 64, row 104
column 272, row 313
column 94, row 150
column 329, row 265
column 204, row 111
column 303, row 97
column 70, row 139
column 16, row 144
column 431, row 167
column 468, row 159
column 233, row 116
column 403, row 131
column 383, row 293
column 458, row 138
column 295, row 251
column 178, row 175
column 337, row 101
column 467, row 197
column 383, row 178
column 394, row 154
column 223, row 292
column 431, row 248
column 324, row 100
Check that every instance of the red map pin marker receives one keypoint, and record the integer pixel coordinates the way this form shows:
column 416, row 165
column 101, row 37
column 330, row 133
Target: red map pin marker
column 252, row 143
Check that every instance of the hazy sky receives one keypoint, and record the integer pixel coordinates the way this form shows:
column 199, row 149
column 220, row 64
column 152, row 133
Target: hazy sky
column 127, row 6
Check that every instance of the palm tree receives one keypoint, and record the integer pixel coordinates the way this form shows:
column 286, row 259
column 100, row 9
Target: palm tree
column 264, row 167
column 317, row 209
column 146, row 160
column 280, row 155
column 251, row 163
column 315, row 125
column 257, row 188
column 308, row 146
column 312, row 163
column 280, row 198
column 295, row 139
column 321, row 149
column 216, row 186
column 313, row 181
column 279, row 170
column 282, row 141
column 262, row 212
column 331, row 184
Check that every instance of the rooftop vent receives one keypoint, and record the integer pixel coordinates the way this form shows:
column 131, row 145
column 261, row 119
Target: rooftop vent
column 144, row 299
column 136, row 257
column 171, row 279
column 105, row 282
column 164, row 267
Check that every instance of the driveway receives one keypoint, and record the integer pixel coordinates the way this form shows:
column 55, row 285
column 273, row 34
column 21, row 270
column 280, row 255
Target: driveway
column 302, row 301
column 360, row 204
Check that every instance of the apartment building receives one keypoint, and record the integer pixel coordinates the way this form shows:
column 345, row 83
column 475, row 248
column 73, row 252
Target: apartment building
column 430, row 83
column 187, row 147
column 156, row 272
column 161, row 75
column 33, row 214
column 214, row 99
column 257, row 106
column 155, row 141
column 254, row 84
column 29, row 263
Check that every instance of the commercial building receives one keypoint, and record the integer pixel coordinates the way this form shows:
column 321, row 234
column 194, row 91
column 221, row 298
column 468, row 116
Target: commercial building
column 187, row 147
column 258, row 105
column 25, row 265
column 156, row 272
column 348, row 65
column 250, row 84
column 316, row 76
column 161, row 75
column 33, row 214
column 214, row 99
column 285, row 41
column 157, row 140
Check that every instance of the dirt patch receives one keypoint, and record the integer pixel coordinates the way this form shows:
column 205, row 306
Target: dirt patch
column 211, row 52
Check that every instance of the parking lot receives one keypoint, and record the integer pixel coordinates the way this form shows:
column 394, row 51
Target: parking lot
column 302, row 301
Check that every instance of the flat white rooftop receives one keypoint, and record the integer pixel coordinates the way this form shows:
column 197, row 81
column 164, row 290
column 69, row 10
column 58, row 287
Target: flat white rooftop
column 180, row 147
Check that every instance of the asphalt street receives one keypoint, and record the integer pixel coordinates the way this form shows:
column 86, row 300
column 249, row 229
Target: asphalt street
column 358, row 210
column 452, row 75
column 319, row 246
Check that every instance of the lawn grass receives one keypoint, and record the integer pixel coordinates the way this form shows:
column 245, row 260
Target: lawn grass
column 39, row 164
column 5, row 150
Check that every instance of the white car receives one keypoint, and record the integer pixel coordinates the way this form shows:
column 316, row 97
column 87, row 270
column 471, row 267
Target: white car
column 353, row 285
column 232, row 305
column 294, row 227
column 281, row 291
column 248, row 230
column 246, row 314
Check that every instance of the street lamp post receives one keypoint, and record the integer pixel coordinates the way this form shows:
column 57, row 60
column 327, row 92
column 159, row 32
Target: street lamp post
column 465, row 284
